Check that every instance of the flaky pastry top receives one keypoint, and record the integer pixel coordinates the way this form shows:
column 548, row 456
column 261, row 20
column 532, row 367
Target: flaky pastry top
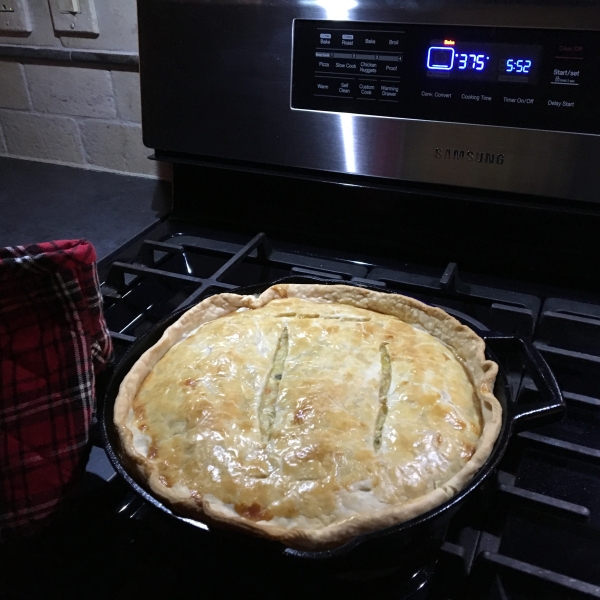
column 296, row 417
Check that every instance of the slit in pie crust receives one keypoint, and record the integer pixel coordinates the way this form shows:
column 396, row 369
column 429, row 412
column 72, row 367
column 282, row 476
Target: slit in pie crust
column 311, row 413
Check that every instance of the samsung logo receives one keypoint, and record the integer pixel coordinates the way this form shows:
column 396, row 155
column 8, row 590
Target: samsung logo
column 470, row 155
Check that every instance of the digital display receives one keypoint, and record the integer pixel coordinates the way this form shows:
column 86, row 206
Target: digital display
column 519, row 65
column 498, row 76
column 452, row 59
column 477, row 62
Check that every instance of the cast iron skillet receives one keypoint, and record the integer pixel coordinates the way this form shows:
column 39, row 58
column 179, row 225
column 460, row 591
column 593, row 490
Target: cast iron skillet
column 404, row 537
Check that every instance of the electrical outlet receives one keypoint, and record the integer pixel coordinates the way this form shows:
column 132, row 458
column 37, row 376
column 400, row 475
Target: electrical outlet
column 74, row 17
column 14, row 17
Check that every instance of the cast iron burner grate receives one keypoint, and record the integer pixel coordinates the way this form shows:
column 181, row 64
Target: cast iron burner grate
column 532, row 532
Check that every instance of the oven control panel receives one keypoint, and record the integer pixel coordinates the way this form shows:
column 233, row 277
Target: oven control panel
column 511, row 77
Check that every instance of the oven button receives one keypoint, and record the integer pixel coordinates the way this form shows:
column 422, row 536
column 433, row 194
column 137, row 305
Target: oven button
column 388, row 90
column 389, row 64
column 323, row 61
column 570, row 51
column 437, row 95
column 340, row 87
column 324, row 39
column 344, row 62
column 566, row 76
column 369, row 40
column 392, row 41
column 367, row 65
column 562, row 104
column 344, row 40
column 517, row 101
column 477, row 98
column 367, row 89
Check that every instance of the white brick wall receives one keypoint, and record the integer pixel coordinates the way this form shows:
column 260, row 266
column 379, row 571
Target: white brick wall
column 41, row 136
column 88, row 117
column 116, row 146
column 13, row 89
column 71, row 91
column 127, row 93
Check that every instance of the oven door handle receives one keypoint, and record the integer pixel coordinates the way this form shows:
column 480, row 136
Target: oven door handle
column 551, row 407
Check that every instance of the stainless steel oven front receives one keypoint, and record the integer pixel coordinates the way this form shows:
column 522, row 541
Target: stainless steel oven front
column 489, row 95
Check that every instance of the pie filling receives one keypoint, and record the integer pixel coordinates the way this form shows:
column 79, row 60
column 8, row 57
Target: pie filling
column 303, row 414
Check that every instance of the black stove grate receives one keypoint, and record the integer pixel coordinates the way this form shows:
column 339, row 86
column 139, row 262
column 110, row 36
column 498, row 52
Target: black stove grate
column 177, row 270
column 532, row 532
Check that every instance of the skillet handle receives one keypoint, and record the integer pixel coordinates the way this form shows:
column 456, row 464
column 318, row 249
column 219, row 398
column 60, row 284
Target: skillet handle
column 552, row 406
column 132, row 507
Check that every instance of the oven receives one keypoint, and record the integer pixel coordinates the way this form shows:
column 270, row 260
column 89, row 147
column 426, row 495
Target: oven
column 443, row 149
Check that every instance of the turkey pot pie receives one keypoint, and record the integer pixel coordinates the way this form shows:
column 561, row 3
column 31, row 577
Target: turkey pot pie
column 311, row 413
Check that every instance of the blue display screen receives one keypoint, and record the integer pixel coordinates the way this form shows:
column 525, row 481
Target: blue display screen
column 453, row 59
column 477, row 62
column 516, row 65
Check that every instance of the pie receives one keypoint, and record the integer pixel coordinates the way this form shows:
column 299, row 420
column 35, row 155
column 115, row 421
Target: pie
column 309, row 414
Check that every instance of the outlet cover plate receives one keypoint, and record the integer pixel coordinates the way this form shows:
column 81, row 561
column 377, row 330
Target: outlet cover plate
column 7, row 6
column 17, row 20
column 84, row 23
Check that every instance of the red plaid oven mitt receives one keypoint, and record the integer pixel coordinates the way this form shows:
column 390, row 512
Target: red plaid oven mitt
column 53, row 342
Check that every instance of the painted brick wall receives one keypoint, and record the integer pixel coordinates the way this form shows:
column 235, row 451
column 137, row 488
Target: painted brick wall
column 87, row 116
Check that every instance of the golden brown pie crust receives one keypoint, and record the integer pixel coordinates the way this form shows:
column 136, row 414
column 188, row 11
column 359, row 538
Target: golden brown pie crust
column 311, row 413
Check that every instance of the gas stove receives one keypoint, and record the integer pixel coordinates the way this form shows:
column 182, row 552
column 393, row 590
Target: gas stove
column 529, row 533
column 447, row 151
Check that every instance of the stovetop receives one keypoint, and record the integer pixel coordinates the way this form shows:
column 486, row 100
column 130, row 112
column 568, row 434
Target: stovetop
column 532, row 531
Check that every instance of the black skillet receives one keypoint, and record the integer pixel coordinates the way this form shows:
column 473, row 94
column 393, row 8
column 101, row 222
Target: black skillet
column 404, row 538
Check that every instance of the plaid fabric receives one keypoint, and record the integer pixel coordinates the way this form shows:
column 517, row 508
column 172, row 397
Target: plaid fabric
column 53, row 341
